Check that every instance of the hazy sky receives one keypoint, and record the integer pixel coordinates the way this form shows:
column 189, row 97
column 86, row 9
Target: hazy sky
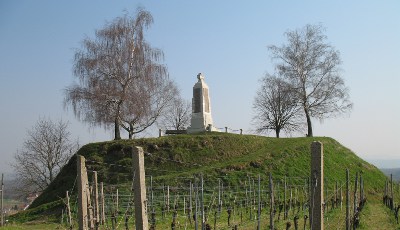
column 226, row 41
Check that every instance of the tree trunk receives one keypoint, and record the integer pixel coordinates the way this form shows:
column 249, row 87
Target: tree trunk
column 277, row 131
column 309, row 125
column 117, row 132
column 130, row 131
column 50, row 175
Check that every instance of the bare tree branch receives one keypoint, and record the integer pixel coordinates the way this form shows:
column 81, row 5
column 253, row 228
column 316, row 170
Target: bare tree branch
column 120, row 77
column 178, row 114
column 46, row 150
column 311, row 66
column 275, row 107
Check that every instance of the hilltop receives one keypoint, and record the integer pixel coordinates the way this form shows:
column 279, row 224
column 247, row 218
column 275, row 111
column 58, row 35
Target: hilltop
column 231, row 157
column 214, row 155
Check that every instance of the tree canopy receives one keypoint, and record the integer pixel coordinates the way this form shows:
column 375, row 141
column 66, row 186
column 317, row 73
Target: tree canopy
column 311, row 66
column 122, row 82
column 275, row 107
column 46, row 150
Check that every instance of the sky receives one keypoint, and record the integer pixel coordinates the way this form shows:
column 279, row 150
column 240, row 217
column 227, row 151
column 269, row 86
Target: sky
column 226, row 41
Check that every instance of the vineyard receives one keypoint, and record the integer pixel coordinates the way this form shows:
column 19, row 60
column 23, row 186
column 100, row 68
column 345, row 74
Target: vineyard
column 219, row 182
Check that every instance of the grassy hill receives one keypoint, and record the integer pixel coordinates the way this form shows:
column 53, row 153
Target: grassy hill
column 214, row 155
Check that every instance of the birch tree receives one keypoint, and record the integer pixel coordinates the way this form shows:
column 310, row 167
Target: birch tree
column 312, row 67
column 122, row 82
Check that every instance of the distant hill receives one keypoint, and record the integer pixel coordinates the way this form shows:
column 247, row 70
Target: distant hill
column 394, row 171
column 230, row 156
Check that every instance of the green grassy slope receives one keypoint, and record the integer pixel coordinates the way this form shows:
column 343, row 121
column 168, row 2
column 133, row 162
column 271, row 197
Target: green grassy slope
column 214, row 155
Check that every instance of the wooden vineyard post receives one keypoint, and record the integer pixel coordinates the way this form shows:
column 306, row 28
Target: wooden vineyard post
column 152, row 195
column 291, row 201
column 196, row 197
column 336, row 195
column 341, row 199
column 284, row 201
column 190, row 202
column 1, row 205
column 141, row 219
column 317, row 186
column 250, row 203
column 116, row 203
column 355, row 194
column 69, row 211
column 103, row 212
column 347, row 200
column 168, row 198
column 219, row 196
column 82, row 193
column 203, row 220
column 90, row 208
column 96, row 200
column 385, row 193
column 259, row 204
column 391, row 193
column 271, row 211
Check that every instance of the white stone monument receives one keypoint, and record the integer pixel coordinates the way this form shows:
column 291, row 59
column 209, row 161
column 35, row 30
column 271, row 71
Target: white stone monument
column 201, row 108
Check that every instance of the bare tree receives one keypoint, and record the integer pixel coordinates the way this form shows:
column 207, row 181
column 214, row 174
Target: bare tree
column 46, row 150
column 275, row 107
column 121, row 82
column 177, row 115
column 146, row 105
column 311, row 65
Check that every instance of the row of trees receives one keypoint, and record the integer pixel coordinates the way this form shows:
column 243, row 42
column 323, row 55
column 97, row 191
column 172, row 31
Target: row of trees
column 123, row 84
column 307, row 84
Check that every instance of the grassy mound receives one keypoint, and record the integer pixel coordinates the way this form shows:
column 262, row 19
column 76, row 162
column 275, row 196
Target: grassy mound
column 213, row 155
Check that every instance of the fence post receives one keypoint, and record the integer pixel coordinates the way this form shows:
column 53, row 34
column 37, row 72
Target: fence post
column 103, row 212
column 203, row 219
column 69, row 211
column 152, row 195
column 141, row 219
column 259, row 204
column 96, row 200
column 82, row 193
column 219, row 196
column 2, row 195
column 284, row 201
column 168, row 198
column 190, row 202
column 355, row 193
column 336, row 195
column 196, row 199
column 391, row 192
column 117, row 203
column 317, row 186
column 347, row 200
column 271, row 211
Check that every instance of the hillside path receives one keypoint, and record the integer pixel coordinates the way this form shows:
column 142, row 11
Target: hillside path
column 376, row 216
